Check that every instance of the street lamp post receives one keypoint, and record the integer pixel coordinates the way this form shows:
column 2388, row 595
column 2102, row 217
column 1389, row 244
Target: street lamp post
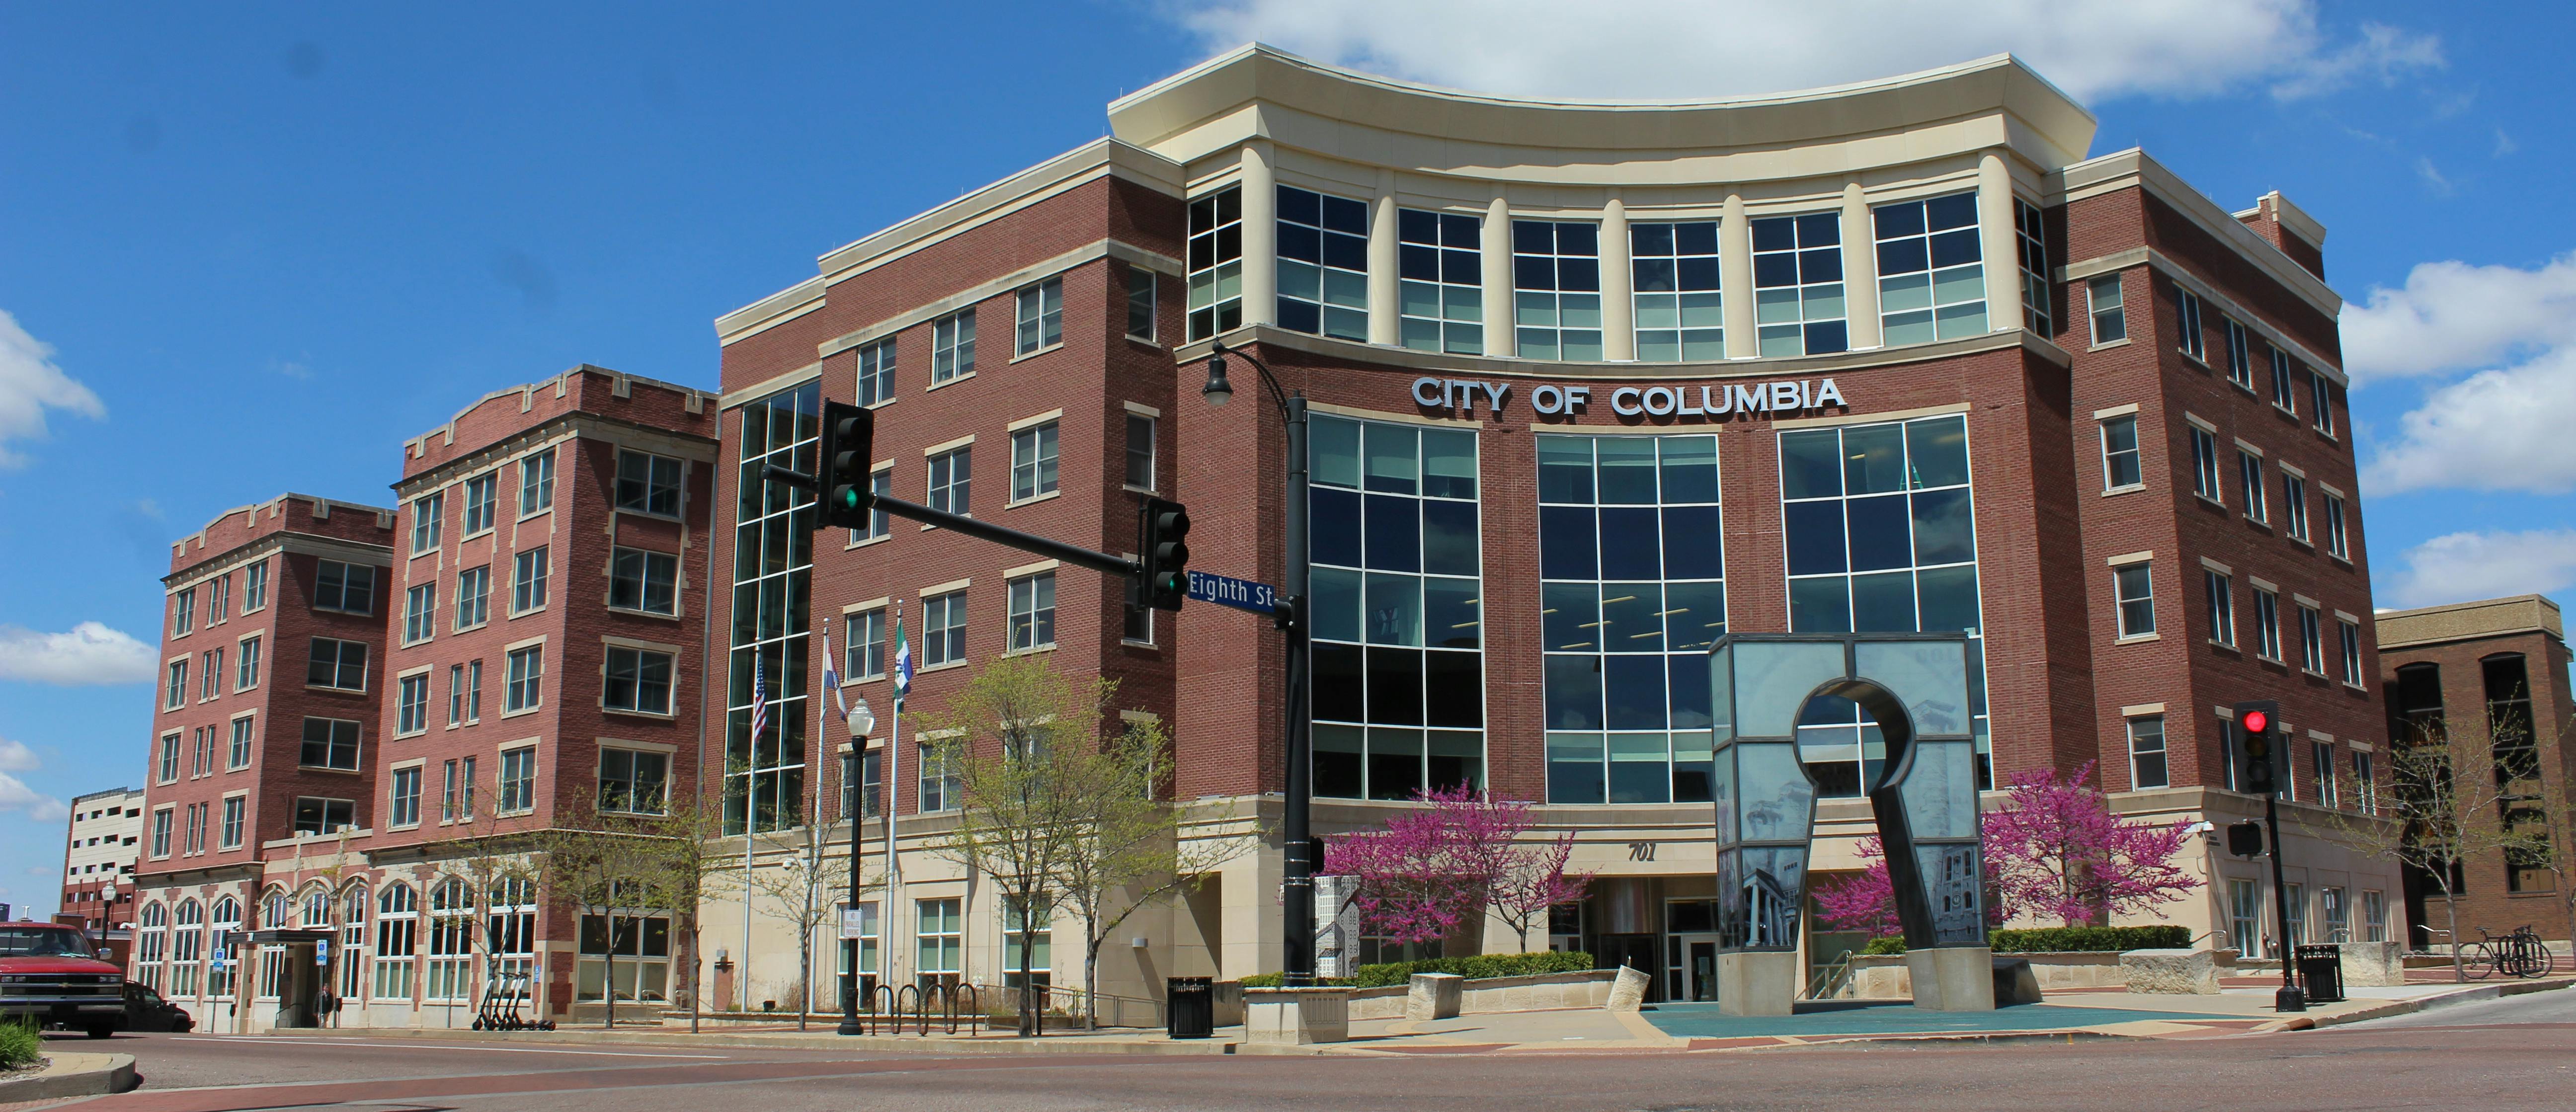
column 1297, row 896
column 863, row 722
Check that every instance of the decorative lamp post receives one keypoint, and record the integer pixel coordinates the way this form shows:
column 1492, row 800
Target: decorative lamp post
column 863, row 721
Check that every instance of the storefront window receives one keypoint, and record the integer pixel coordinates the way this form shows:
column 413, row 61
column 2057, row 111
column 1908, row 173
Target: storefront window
column 642, row 949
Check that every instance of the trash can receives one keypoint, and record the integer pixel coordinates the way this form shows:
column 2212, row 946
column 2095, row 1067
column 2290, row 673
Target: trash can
column 2321, row 973
column 1189, row 1007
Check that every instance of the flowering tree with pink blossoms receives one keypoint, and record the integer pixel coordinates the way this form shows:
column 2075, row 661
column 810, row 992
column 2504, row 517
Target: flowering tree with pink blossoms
column 2054, row 852
column 1428, row 870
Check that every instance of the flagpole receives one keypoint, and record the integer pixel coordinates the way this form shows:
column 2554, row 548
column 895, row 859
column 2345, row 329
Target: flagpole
column 894, row 793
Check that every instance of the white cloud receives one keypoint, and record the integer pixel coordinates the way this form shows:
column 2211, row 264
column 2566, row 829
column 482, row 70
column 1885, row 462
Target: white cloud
column 90, row 653
column 2095, row 49
column 2494, row 430
column 16, row 757
column 2464, row 566
column 30, row 384
column 2432, row 176
column 2452, row 316
column 17, row 796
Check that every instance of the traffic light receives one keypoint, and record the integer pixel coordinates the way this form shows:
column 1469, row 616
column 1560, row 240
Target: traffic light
column 2258, row 744
column 2245, row 839
column 842, row 476
column 1167, row 554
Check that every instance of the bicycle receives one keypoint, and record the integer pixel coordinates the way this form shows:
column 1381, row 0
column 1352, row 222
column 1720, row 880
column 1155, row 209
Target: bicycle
column 2519, row 954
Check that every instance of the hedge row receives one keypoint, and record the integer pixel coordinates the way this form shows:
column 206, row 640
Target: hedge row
column 2065, row 940
column 1478, row 967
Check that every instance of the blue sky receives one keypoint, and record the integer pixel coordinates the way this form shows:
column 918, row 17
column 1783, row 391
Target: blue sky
column 243, row 252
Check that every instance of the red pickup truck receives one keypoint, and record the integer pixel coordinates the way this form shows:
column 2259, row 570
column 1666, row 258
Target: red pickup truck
column 49, row 975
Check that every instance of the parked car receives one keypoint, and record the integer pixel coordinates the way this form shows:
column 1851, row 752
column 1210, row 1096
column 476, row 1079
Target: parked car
column 145, row 1010
column 48, row 975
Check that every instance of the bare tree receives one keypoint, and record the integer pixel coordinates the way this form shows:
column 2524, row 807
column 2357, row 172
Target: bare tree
column 684, row 870
column 803, row 886
column 2442, row 807
column 605, row 866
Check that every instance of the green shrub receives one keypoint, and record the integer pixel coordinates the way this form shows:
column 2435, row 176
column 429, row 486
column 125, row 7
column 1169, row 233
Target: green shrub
column 1474, row 968
column 2065, row 940
column 1892, row 944
column 20, row 1045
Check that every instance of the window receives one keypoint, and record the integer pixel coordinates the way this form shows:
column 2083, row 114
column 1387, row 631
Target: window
column 1674, row 273
column 2516, row 748
column 1032, row 622
column 420, row 613
column 1442, row 296
column 2267, row 624
column 940, row 940
column 255, row 587
column 210, row 679
column 1041, row 316
column 2121, row 467
column 330, row 743
column 952, row 348
column 537, row 482
column 2297, row 927
column 347, row 588
column 643, row 580
column 638, row 680
column 1931, row 274
column 405, row 798
column 2240, row 353
column 2102, row 296
column 527, row 671
column 1018, row 932
column 2030, row 233
column 876, row 371
column 951, row 473
column 1140, row 451
column 234, row 812
column 447, row 794
column 411, row 705
column 863, row 789
column 2351, row 652
column 315, row 815
column 170, row 757
column 2249, row 484
column 2244, row 917
column 1323, row 264
column 2321, row 399
column 528, row 580
column 2321, row 759
column 2147, row 753
column 764, row 777
column 2134, row 588
column 1798, row 284
column 177, row 694
column 2336, row 543
column 518, row 780
column 943, row 629
column 2365, row 785
column 1140, row 304
column 455, row 694
column 161, row 826
column 2285, row 391
column 473, row 597
column 2204, row 465
column 2311, row 643
column 1399, row 659
column 427, row 513
column 1033, row 462
column 219, row 602
column 238, row 755
column 183, row 609
column 482, row 496
column 447, row 977
column 2187, row 323
column 880, row 523
column 353, row 942
column 201, row 761
column 940, row 783
column 632, row 780
column 629, row 955
column 2294, row 503
column 864, row 640
column 2222, row 607
column 1557, row 289
column 197, row 828
column 1216, row 263
column 1137, row 624
column 337, row 664
column 648, row 484
column 2374, row 916
column 473, row 691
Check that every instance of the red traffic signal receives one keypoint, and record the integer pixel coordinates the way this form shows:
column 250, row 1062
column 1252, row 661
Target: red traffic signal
column 2256, row 721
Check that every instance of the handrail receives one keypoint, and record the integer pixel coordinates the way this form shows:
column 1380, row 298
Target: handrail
column 1831, row 978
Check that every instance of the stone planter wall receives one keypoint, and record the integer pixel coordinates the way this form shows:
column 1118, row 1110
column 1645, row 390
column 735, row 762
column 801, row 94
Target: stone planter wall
column 1883, row 976
column 1587, row 989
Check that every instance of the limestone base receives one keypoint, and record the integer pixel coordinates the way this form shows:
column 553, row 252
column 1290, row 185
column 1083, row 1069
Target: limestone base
column 1628, row 991
column 1433, row 996
column 2182, row 972
column 2372, row 964
column 1296, row 1016
column 1757, row 982
column 1952, row 978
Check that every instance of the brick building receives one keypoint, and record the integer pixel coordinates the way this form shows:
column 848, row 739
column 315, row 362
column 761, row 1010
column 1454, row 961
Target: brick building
column 507, row 650
column 99, row 853
column 1897, row 355
column 2492, row 676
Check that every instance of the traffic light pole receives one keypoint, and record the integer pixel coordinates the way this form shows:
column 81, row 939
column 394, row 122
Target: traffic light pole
column 979, row 529
column 2289, row 998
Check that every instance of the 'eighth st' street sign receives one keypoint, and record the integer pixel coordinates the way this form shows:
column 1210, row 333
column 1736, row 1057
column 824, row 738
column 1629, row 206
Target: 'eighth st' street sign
column 1226, row 590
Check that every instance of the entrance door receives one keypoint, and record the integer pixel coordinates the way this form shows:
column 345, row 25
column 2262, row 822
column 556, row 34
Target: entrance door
column 1690, row 969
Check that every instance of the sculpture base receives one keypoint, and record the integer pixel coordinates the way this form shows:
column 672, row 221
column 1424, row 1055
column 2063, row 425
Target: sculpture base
column 1757, row 982
column 1952, row 978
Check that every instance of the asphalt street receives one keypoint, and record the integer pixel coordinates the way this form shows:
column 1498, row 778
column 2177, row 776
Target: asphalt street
column 2509, row 1055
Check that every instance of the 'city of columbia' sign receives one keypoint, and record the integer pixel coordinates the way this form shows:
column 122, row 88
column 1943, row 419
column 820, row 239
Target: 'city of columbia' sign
column 1549, row 399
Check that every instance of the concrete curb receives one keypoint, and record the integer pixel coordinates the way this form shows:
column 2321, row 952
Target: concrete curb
column 2471, row 995
column 825, row 1041
column 73, row 1075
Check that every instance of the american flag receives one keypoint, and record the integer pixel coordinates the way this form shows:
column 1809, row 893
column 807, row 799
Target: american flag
column 759, row 698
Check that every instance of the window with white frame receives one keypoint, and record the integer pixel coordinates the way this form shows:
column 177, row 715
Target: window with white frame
column 2365, row 787
column 2122, row 466
column 1674, row 286
column 1136, row 617
column 2312, row 646
column 2285, row 390
column 473, row 597
column 1798, row 306
column 337, row 664
column 1556, row 290
column 2102, row 302
column 236, row 809
column 420, row 613
column 1032, row 967
column 219, row 599
column 1033, row 461
column 537, row 482
column 633, row 781
column 864, row 640
column 2187, row 323
column 1931, row 277
column 161, row 824
column 347, row 588
column 1140, row 303
column 2294, row 503
column 629, row 955
column 2351, row 651
column 170, row 757
column 2030, row 234
column 255, row 587
column 648, row 483
column 482, row 500
column 187, row 948
column 245, row 731
column 2240, row 353
column 526, row 678
column 1441, row 295
column 952, row 347
column 473, row 691
column 880, row 523
column 951, row 475
column 176, row 693
column 2321, row 762
column 427, row 514
column 403, row 799
column 639, row 680
column 411, row 704
column 876, row 372
column 330, row 743
column 1041, row 316
column 1140, row 451
column 1323, row 264
column 455, row 694
column 939, row 780
column 210, row 679
column 2336, row 543
column 2134, row 590
column 317, row 815
column 2321, row 399
column 447, row 978
column 2267, row 624
column 2204, row 465
column 943, row 628
column 528, row 580
column 2147, row 768
column 640, row 579
column 1032, row 618
column 353, row 941
column 939, row 940
column 1216, row 263
column 2249, row 484
column 2221, row 589
column 518, row 780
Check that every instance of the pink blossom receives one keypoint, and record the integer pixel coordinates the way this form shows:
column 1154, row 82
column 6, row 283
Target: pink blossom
column 1429, row 870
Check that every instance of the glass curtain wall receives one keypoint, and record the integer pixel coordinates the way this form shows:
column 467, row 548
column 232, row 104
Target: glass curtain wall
column 1399, row 684
column 1633, row 595
column 1880, row 536
column 772, row 576
column 1556, row 284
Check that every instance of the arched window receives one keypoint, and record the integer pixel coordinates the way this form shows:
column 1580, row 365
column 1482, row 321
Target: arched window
column 272, row 908
column 316, row 907
column 223, row 950
column 187, row 942
column 397, row 921
column 511, row 927
column 148, row 940
column 351, row 954
column 448, row 978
